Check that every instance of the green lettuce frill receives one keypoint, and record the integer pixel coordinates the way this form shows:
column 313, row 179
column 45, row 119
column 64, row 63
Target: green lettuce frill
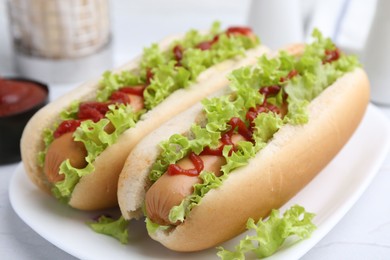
column 313, row 77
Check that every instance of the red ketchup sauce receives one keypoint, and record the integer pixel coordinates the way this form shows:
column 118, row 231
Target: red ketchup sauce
column 239, row 30
column 149, row 76
column 331, row 55
column 226, row 139
column 290, row 75
column 262, row 108
column 17, row 96
column 206, row 45
column 242, row 129
column 178, row 53
column 66, row 127
column 174, row 169
column 137, row 91
column 96, row 111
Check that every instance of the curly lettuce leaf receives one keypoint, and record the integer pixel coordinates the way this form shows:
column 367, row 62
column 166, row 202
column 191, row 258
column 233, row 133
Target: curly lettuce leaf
column 152, row 57
column 95, row 140
column 173, row 150
column 169, row 77
column 152, row 227
column 71, row 112
column 111, row 82
column 117, row 228
column 203, row 138
column 48, row 138
column 228, row 47
column 237, row 158
column 271, row 233
column 209, row 182
column 266, row 125
column 63, row 189
column 219, row 111
column 314, row 76
column 194, row 37
column 178, row 146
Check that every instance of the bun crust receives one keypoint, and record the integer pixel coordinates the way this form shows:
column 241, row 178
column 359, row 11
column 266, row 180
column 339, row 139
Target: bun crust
column 98, row 190
column 272, row 177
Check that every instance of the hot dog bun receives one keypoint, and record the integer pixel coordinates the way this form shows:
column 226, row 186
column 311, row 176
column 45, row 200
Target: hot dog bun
column 133, row 180
column 98, row 189
column 281, row 175
column 291, row 159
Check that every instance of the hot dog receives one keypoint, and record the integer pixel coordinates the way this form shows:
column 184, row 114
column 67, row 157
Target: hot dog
column 75, row 147
column 248, row 152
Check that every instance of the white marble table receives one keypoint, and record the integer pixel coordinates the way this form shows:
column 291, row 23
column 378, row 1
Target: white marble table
column 363, row 233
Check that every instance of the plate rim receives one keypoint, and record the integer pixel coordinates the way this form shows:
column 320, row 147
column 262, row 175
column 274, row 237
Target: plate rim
column 305, row 245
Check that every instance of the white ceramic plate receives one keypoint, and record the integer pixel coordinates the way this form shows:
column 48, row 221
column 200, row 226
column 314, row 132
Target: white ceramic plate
column 330, row 195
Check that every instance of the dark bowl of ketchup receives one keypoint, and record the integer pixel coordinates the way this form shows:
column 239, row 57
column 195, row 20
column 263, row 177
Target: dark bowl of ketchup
column 19, row 100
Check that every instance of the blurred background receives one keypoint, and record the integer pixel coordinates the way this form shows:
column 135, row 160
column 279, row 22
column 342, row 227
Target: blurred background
column 120, row 29
column 128, row 26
